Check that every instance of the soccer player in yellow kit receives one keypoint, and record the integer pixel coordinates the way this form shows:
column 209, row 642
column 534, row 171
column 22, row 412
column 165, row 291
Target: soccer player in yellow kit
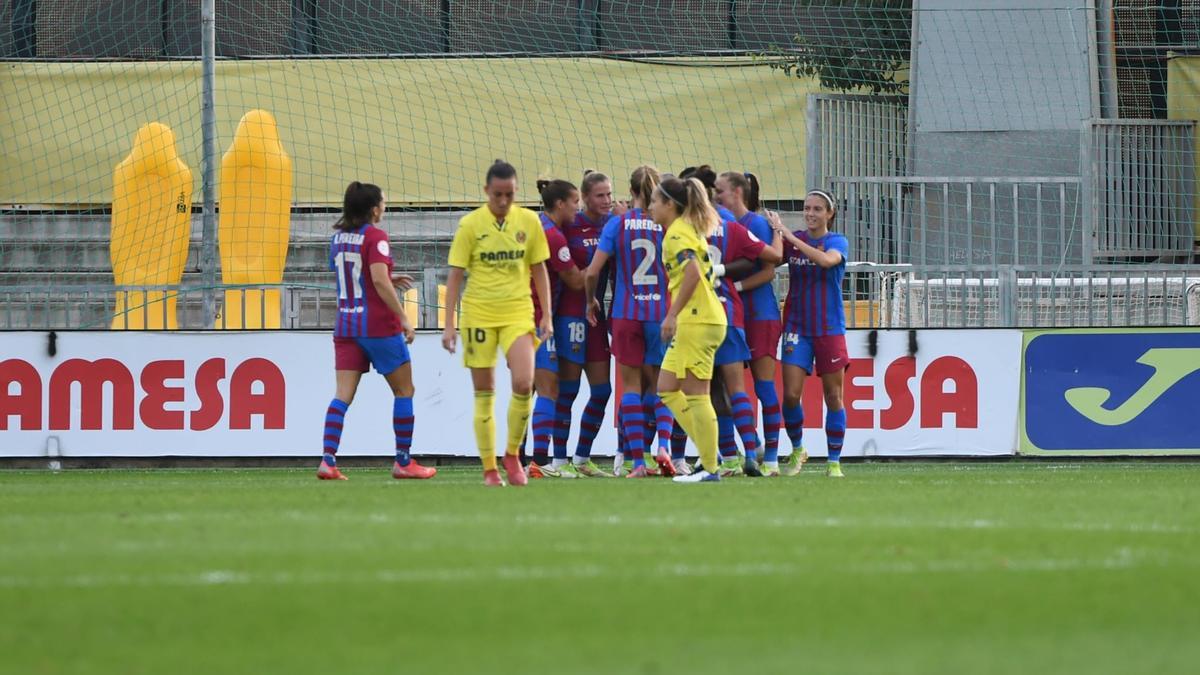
column 498, row 247
column 695, row 324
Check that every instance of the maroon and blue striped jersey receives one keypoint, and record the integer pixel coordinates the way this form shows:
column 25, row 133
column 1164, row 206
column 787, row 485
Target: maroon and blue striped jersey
column 814, row 300
column 634, row 243
column 582, row 236
column 731, row 241
column 361, row 311
column 761, row 303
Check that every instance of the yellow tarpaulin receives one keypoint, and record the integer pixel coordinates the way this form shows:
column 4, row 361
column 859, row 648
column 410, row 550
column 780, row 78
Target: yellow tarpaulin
column 424, row 129
column 1183, row 103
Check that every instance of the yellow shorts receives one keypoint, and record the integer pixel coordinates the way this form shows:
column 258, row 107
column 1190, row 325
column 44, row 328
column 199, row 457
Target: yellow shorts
column 480, row 344
column 693, row 350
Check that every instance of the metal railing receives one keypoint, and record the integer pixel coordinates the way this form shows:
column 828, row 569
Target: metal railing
column 855, row 135
column 947, row 220
column 1139, row 183
column 875, row 295
column 904, row 296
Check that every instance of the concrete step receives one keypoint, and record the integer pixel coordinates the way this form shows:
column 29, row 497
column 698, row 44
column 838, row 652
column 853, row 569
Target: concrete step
column 92, row 255
column 399, row 225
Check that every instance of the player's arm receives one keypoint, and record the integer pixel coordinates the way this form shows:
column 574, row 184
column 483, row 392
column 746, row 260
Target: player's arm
column 454, row 285
column 771, row 255
column 591, row 279
column 822, row 259
column 687, row 288
column 460, row 258
column 541, row 281
column 387, row 292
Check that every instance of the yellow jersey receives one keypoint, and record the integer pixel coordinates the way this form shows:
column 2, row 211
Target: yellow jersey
column 681, row 244
column 497, row 257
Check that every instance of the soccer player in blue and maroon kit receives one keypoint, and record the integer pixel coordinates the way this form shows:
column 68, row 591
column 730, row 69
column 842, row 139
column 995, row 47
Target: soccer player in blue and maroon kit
column 729, row 242
column 814, row 329
column 560, row 203
column 739, row 192
column 582, row 348
column 371, row 328
column 632, row 244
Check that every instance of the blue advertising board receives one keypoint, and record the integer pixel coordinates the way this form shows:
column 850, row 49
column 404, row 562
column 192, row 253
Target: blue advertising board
column 1111, row 392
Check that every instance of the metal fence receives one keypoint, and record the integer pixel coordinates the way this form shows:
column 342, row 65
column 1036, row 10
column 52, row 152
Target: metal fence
column 876, row 296
column 1139, row 183
column 903, row 296
column 948, row 220
column 855, row 135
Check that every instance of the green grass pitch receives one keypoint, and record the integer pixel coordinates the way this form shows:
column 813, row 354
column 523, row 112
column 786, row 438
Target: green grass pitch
column 900, row 568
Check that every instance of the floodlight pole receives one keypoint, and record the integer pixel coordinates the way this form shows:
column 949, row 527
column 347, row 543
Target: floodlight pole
column 208, row 162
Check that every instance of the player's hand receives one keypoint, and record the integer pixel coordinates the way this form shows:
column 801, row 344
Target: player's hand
column 593, row 312
column 775, row 221
column 620, row 208
column 450, row 338
column 402, row 282
column 546, row 329
column 409, row 333
column 667, row 329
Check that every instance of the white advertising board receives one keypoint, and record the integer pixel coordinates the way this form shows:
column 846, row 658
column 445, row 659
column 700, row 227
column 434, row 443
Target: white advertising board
column 125, row 394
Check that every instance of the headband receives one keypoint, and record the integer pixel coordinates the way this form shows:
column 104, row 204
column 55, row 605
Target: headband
column 668, row 196
column 826, row 196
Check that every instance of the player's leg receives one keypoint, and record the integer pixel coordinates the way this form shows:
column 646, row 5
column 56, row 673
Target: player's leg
column 797, row 360
column 349, row 362
column 391, row 359
column 480, row 358
column 832, row 360
column 545, row 383
column 570, row 338
column 598, row 369
column 627, row 351
column 664, row 422
column 691, row 354
column 632, row 416
column 517, row 343
column 726, row 432
column 734, row 377
column 763, row 337
column 404, row 422
column 729, row 352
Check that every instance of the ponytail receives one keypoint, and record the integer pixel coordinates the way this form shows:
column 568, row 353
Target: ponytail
column 699, row 210
column 591, row 179
column 360, row 200
column 554, row 191
column 691, row 201
column 748, row 184
column 642, row 183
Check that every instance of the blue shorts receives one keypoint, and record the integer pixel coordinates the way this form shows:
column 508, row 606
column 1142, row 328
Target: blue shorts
column 546, row 358
column 570, row 336
column 359, row 353
column 734, row 349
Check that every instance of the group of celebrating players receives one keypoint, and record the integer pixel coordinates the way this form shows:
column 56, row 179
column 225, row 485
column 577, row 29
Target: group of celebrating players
column 687, row 265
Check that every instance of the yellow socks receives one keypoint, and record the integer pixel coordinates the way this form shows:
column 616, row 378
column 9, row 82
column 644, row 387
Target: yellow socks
column 702, row 429
column 518, row 419
column 485, row 428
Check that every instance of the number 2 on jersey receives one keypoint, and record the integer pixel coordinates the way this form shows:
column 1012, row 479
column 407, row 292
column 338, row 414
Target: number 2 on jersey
column 349, row 265
column 641, row 274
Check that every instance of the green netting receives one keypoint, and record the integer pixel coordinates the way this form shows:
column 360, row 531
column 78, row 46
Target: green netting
column 1056, row 137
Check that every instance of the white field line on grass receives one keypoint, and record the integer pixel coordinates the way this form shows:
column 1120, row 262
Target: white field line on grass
column 778, row 521
column 1121, row 559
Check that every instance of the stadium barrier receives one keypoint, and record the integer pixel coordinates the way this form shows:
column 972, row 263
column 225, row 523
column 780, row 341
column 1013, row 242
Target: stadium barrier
column 256, row 394
column 965, row 393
